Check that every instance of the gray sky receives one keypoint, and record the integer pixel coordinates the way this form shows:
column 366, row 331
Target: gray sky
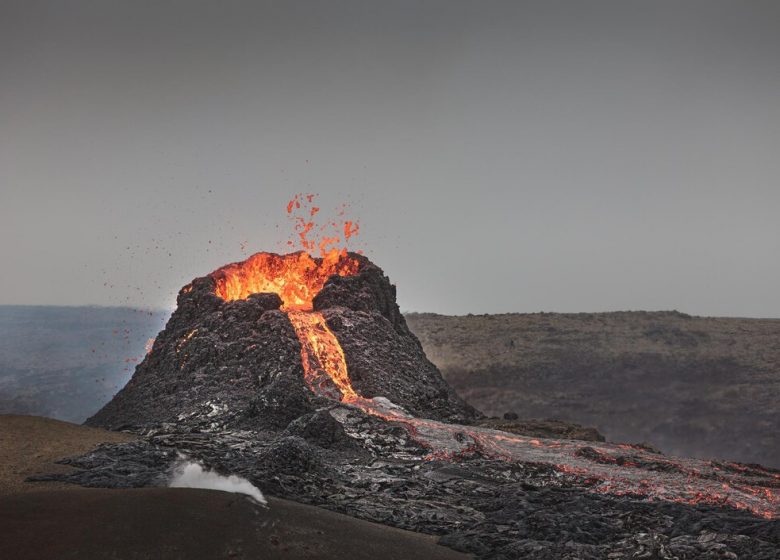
column 501, row 156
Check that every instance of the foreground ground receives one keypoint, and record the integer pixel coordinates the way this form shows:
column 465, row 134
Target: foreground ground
column 43, row 520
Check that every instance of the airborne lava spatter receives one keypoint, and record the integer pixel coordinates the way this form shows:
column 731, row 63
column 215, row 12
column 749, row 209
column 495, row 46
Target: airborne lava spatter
column 324, row 366
column 311, row 235
column 295, row 277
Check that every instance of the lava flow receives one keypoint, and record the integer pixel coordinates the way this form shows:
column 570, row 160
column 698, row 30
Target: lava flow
column 609, row 468
column 324, row 366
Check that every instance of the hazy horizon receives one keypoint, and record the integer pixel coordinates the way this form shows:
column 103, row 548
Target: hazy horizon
column 166, row 310
column 500, row 156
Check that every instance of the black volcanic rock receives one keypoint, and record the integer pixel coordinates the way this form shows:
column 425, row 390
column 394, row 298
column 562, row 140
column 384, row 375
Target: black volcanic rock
column 382, row 361
column 215, row 362
column 238, row 363
column 493, row 509
column 383, row 357
column 224, row 385
column 541, row 428
column 319, row 428
column 369, row 290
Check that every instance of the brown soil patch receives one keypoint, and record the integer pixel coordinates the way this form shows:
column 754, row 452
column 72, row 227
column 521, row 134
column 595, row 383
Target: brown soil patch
column 173, row 523
column 30, row 445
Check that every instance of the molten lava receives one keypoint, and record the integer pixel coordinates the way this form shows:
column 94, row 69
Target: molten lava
column 296, row 277
column 310, row 235
column 324, row 366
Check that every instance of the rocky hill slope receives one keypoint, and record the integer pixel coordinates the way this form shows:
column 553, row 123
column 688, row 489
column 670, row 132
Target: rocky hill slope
column 695, row 386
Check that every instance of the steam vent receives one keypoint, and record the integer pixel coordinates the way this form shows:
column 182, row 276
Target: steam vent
column 300, row 374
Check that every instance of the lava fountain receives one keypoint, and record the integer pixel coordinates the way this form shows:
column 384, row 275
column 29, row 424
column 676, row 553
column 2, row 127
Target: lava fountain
column 295, row 277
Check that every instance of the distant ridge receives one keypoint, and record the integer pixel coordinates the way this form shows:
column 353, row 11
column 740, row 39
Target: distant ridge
column 700, row 386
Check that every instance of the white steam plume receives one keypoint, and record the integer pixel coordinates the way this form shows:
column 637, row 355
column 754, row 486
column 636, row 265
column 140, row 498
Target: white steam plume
column 188, row 474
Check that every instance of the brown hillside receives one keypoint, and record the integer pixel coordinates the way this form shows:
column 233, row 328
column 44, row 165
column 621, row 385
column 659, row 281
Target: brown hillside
column 706, row 387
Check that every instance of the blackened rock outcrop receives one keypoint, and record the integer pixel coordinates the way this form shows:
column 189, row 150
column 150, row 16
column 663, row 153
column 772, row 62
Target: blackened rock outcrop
column 216, row 362
column 383, row 357
column 369, row 290
column 238, row 363
column 383, row 362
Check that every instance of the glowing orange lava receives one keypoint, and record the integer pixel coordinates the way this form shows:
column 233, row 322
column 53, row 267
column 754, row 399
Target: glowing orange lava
column 325, row 368
column 311, row 235
column 296, row 277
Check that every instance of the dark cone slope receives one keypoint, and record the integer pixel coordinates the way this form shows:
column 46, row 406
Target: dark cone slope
column 238, row 363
